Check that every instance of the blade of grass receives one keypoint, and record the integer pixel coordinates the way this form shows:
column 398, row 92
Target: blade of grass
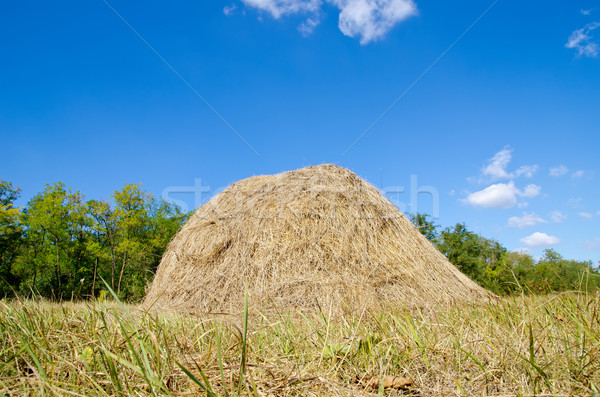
column 220, row 358
column 196, row 380
column 244, row 342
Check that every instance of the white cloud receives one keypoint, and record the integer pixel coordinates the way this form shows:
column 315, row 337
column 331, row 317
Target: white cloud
column 586, row 12
column 586, row 215
column 279, row 8
column 559, row 171
column 502, row 195
column 531, row 191
column 578, row 174
column 497, row 164
column 538, row 239
column 308, row 26
column 575, row 202
column 593, row 245
column 371, row 19
column 228, row 10
column 496, row 167
column 598, row 213
column 367, row 19
column 582, row 41
column 557, row 217
column 526, row 220
column 526, row 170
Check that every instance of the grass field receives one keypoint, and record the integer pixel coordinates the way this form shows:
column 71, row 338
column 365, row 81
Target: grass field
column 538, row 345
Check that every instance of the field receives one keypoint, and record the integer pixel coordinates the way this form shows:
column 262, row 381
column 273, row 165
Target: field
column 531, row 345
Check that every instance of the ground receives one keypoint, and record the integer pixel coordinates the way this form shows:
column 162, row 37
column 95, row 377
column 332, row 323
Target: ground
column 536, row 345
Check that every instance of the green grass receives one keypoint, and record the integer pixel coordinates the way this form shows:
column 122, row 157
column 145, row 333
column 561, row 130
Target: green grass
column 545, row 345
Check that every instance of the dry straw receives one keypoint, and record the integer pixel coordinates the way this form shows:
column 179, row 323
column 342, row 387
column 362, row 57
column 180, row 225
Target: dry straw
column 315, row 238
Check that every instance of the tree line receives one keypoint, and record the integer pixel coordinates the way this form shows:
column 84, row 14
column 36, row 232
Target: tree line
column 491, row 265
column 61, row 246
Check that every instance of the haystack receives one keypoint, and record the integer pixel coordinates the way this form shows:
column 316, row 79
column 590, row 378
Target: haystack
column 317, row 237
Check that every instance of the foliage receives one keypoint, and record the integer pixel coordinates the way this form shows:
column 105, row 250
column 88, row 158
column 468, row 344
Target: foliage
column 492, row 266
column 59, row 245
column 554, row 273
column 11, row 232
column 425, row 224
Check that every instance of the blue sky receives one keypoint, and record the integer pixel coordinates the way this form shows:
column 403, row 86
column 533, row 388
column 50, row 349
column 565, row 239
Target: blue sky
column 504, row 126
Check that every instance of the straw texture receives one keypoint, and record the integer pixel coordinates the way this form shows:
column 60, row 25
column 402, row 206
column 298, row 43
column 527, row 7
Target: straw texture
column 315, row 238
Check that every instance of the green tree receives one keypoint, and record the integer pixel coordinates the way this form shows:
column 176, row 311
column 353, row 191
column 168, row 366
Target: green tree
column 53, row 261
column 555, row 273
column 59, row 245
column 426, row 226
column 478, row 257
column 165, row 221
column 512, row 276
column 102, row 244
column 11, row 233
column 132, row 215
column 462, row 248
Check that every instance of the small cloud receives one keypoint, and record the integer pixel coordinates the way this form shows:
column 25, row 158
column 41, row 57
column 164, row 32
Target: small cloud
column 586, row 12
column 557, row 217
column 279, row 8
column 308, row 26
column 526, row 170
column 582, row 41
column 578, row 174
column 523, row 204
column 537, row 240
column 586, row 215
column 526, row 220
column 228, row 10
column 531, row 191
column 598, row 213
column 575, row 202
column 559, row 170
column 501, row 195
column 593, row 245
column 452, row 192
column 371, row 20
column 496, row 167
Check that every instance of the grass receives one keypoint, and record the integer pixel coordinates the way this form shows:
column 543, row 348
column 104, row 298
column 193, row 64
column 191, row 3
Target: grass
column 538, row 345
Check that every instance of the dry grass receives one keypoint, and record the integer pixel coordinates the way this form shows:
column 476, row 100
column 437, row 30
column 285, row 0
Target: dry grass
column 519, row 346
column 315, row 238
